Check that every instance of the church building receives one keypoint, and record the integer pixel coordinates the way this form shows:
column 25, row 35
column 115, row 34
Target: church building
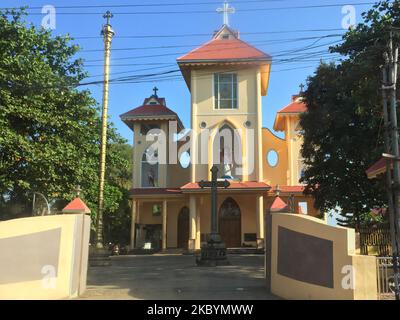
column 227, row 79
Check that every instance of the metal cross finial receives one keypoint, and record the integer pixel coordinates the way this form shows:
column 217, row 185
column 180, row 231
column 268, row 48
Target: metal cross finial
column 155, row 89
column 226, row 10
column 78, row 191
column 301, row 87
column 108, row 15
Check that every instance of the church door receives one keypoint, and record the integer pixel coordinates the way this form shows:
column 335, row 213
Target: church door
column 230, row 223
column 183, row 228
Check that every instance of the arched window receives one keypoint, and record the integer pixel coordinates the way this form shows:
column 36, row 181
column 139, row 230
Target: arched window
column 150, row 169
column 227, row 151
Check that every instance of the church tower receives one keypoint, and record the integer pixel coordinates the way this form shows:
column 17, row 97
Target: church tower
column 227, row 78
column 150, row 119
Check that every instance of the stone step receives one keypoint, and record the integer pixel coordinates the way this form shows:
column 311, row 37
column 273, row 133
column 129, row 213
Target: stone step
column 245, row 251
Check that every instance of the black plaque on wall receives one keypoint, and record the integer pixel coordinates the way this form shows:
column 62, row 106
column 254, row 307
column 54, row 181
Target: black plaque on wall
column 305, row 258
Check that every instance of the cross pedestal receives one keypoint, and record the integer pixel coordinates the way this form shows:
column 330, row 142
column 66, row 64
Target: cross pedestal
column 213, row 253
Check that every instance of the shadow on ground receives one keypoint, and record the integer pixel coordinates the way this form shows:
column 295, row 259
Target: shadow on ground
column 176, row 277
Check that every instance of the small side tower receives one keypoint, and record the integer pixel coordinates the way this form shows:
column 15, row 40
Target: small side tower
column 152, row 114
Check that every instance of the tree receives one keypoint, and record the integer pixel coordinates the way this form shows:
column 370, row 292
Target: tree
column 49, row 129
column 343, row 127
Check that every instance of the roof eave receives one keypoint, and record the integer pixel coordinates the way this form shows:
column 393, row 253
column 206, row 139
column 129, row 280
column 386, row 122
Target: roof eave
column 129, row 119
column 241, row 60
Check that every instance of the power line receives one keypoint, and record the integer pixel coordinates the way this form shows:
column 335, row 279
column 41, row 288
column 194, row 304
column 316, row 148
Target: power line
column 182, row 53
column 211, row 11
column 208, row 34
column 148, row 5
column 272, row 41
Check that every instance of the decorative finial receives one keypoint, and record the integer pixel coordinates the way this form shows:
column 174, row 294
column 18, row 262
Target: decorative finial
column 78, row 190
column 108, row 15
column 226, row 10
column 277, row 190
column 155, row 89
column 301, row 87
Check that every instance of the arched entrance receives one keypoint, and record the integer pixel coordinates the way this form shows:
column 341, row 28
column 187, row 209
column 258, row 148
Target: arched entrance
column 230, row 223
column 183, row 228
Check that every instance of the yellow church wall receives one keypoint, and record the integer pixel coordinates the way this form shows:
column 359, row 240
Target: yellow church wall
column 294, row 141
column 169, row 175
column 274, row 175
column 203, row 111
column 146, row 213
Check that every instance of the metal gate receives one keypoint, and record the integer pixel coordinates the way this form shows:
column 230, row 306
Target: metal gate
column 386, row 286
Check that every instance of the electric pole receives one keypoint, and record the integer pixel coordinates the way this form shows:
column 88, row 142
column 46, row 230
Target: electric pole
column 392, row 152
column 107, row 34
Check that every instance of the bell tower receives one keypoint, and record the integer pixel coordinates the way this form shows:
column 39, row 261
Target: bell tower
column 227, row 78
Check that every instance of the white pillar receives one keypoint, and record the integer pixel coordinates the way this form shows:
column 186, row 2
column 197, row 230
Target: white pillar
column 198, row 233
column 164, row 225
column 192, row 222
column 133, row 224
column 260, row 221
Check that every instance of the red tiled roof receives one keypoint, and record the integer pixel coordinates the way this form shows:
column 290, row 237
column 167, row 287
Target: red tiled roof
column 154, row 191
column 234, row 185
column 278, row 205
column 296, row 106
column 149, row 110
column 290, row 189
column 377, row 168
column 75, row 206
column 224, row 49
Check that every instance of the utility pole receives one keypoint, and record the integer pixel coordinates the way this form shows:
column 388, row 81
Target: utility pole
column 107, row 34
column 392, row 152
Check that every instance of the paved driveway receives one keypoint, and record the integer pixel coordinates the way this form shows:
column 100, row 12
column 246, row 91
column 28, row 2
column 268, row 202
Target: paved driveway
column 177, row 277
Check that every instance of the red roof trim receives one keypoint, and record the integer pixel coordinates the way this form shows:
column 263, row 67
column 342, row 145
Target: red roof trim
column 154, row 191
column 294, row 107
column 377, row 168
column 290, row 189
column 251, row 185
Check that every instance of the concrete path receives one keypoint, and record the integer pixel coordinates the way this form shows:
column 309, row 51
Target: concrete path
column 176, row 277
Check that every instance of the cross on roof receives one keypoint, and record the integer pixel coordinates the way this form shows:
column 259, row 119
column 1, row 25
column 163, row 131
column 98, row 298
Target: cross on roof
column 301, row 87
column 226, row 10
column 155, row 89
column 108, row 15
column 78, row 190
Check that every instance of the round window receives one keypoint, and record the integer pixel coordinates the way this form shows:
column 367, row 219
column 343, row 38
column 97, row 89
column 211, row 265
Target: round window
column 272, row 158
column 247, row 124
column 184, row 160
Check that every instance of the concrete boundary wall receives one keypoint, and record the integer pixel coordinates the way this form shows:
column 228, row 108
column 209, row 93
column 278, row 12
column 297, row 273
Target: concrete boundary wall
column 44, row 257
column 307, row 259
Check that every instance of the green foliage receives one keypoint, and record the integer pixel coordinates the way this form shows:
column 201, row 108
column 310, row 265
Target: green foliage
column 49, row 130
column 343, row 128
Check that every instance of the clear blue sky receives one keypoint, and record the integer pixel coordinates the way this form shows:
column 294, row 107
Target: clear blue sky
column 124, row 97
